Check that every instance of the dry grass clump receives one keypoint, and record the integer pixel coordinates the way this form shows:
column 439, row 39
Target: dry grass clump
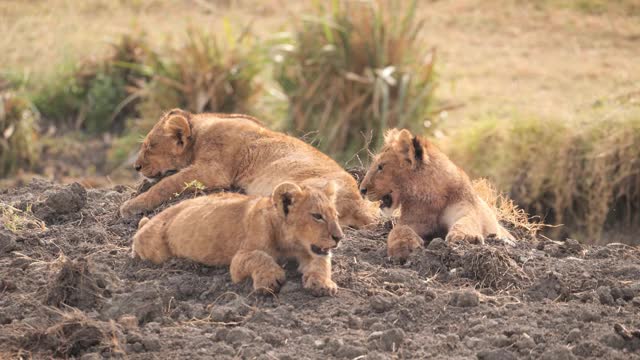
column 582, row 175
column 206, row 73
column 18, row 221
column 515, row 219
column 18, row 133
column 492, row 267
column 354, row 69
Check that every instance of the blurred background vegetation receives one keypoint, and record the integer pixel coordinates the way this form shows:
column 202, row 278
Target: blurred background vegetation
column 542, row 98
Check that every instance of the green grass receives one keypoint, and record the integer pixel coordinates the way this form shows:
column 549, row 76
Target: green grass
column 353, row 69
column 95, row 96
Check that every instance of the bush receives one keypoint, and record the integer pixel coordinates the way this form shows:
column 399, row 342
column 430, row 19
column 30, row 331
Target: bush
column 18, row 134
column 352, row 70
column 204, row 74
column 584, row 176
column 96, row 95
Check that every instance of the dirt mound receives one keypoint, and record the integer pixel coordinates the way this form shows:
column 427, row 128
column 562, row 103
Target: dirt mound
column 70, row 289
column 75, row 285
column 60, row 201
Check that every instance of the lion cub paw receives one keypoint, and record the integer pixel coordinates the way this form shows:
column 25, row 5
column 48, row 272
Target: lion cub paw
column 402, row 242
column 129, row 209
column 269, row 281
column 320, row 286
column 456, row 236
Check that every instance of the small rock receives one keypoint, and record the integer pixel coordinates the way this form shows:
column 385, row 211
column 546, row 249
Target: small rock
column 7, row 242
column 499, row 354
column 151, row 344
column 129, row 322
column 275, row 338
column 392, row 339
column 590, row 316
column 239, row 335
column 558, row 353
column 604, row 295
column 473, row 343
column 350, row 351
column 91, row 356
column 437, row 244
column 525, row 343
column 574, row 335
column 137, row 347
column 501, row 341
column 374, row 355
column 380, row 304
column 430, row 295
column 572, row 246
column 354, row 322
column 465, row 298
column 636, row 301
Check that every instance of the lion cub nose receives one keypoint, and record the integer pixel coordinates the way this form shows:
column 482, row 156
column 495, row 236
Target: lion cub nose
column 336, row 238
column 363, row 191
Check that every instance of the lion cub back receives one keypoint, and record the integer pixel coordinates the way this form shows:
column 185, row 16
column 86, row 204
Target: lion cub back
column 207, row 229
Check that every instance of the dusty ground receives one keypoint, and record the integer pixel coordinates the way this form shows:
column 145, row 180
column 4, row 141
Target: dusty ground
column 71, row 290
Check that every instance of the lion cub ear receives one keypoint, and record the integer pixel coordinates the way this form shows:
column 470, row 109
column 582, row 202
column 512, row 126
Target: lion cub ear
column 410, row 147
column 284, row 196
column 330, row 190
column 178, row 127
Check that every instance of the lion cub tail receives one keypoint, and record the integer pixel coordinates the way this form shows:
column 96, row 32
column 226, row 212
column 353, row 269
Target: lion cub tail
column 143, row 222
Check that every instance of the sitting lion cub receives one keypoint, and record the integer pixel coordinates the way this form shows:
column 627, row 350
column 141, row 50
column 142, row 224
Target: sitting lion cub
column 435, row 196
column 251, row 233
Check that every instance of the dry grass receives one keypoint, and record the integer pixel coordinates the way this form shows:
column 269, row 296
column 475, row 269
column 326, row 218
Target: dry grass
column 353, row 70
column 516, row 220
column 584, row 176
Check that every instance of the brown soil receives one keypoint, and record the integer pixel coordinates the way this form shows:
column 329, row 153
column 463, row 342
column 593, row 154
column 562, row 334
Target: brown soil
column 72, row 290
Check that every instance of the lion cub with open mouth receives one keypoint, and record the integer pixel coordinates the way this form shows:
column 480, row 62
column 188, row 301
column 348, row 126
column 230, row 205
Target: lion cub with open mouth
column 251, row 233
column 434, row 195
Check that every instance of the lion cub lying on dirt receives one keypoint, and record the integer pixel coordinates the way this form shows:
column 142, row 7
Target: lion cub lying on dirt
column 224, row 151
column 435, row 196
column 251, row 233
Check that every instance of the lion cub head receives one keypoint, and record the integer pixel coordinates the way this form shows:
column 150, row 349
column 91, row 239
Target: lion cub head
column 392, row 167
column 310, row 217
column 168, row 146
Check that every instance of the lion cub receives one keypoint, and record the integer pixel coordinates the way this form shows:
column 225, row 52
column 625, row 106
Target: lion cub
column 251, row 233
column 434, row 195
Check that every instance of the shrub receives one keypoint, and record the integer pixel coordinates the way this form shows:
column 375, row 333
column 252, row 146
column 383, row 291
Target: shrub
column 96, row 95
column 18, row 134
column 204, row 74
column 352, row 70
column 582, row 175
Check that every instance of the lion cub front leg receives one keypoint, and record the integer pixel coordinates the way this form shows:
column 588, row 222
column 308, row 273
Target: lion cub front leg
column 468, row 228
column 402, row 241
column 316, row 276
column 267, row 275
column 167, row 187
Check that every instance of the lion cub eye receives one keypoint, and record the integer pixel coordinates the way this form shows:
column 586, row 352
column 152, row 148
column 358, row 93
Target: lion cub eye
column 318, row 217
column 380, row 167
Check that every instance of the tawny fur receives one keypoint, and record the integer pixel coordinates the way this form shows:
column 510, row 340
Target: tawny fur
column 224, row 151
column 251, row 234
column 434, row 195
